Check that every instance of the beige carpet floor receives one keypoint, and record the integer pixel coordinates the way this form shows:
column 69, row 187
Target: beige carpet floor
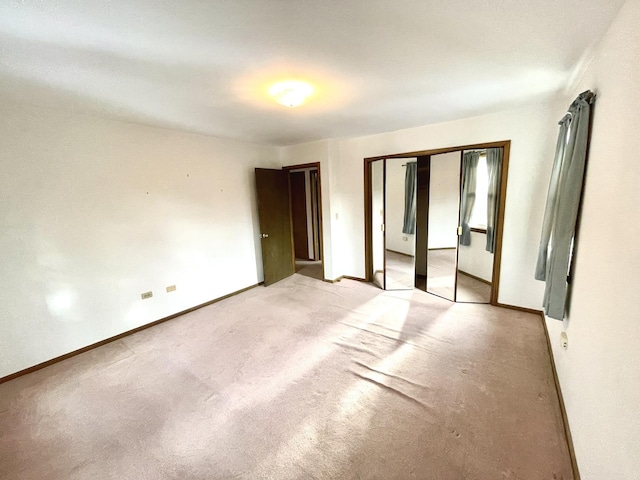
column 300, row 380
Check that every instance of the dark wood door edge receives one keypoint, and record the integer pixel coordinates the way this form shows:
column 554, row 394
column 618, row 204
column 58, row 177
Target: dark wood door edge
column 302, row 165
column 45, row 364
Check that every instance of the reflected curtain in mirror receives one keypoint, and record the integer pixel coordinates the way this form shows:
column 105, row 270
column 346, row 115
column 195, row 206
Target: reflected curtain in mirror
column 468, row 194
column 494, row 170
column 563, row 201
column 409, row 224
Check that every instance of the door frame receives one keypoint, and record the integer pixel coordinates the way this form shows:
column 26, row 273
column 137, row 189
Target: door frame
column 321, row 222
column 497, row 257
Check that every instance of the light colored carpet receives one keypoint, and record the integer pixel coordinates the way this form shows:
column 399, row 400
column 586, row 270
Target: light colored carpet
column 300, row 380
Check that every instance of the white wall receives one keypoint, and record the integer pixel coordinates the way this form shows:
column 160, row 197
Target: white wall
column 444, row 200
column 475, row 259
column 532, row 131
column 95, row 212
column 600, row 371
column 395, row 208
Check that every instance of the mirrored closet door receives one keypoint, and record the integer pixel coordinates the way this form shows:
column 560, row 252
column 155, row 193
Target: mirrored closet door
column 433, row 222
column 462, row 206
column 393, row 222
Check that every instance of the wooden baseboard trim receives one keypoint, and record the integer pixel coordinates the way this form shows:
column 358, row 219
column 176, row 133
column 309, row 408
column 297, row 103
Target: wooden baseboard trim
column 400, row 253
column 563, row 411
column 474, row 277
column 519, row 309
column 335, row 280
column 556, row 380
column 357, row 279
column 42, row 365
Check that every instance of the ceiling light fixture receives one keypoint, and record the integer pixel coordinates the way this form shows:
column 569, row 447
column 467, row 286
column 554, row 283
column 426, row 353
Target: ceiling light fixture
column 291, row 93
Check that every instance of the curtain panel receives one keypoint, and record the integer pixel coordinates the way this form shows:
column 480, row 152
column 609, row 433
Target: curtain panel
column 468, row 193
column 494, row 170
column 409, row 224
column 563, row 201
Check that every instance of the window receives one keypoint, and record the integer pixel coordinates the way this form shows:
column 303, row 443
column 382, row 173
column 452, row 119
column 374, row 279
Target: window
column 479, row 212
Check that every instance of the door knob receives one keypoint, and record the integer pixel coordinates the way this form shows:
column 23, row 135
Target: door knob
column 264, row 235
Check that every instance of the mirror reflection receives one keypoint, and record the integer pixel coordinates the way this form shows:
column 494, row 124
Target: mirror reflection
column 481, row 170
column 443, row 212
column 434, row 222
column 400, row 216
column 377, row 221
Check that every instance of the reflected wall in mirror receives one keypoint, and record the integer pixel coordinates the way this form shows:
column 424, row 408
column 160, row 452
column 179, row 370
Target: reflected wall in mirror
column 400, row 218
column 377, row 221
column 442, row 226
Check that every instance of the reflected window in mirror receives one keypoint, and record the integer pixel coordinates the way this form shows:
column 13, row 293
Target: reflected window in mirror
column 478, row 220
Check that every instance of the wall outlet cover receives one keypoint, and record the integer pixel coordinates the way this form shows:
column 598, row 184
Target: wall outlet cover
column 564, row 340
column 146, row 295
column 171, row 288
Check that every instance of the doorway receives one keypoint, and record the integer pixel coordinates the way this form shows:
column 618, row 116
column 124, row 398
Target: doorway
column 458, row 240
column 275, row 215
column 306, row 219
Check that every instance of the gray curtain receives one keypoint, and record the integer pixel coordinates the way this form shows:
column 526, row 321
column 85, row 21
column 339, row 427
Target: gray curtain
column 409, row 225
column 563, row 200
column 468, row 194
column 494, row 169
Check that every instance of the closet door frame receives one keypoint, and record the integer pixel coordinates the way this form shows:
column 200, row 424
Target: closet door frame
column 497, row 258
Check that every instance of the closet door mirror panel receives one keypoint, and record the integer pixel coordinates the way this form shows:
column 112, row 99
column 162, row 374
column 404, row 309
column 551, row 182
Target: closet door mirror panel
column 400, row 218
column 442, row 224
column 377, row 221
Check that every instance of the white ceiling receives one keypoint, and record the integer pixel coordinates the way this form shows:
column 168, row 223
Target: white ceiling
column 379, row 65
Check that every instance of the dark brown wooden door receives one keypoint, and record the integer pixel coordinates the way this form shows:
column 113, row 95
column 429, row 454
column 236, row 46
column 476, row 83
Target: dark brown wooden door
column 299, row 215
column 272, row 187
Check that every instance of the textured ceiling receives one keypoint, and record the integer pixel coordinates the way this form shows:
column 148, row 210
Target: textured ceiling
column 204, row 66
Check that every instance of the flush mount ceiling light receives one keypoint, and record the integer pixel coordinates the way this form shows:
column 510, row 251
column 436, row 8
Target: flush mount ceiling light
column 291, row 93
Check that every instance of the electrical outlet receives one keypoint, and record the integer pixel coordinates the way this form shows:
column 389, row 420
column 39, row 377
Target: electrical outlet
column 171, row 288
column 564, row 340
column 146, row 295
